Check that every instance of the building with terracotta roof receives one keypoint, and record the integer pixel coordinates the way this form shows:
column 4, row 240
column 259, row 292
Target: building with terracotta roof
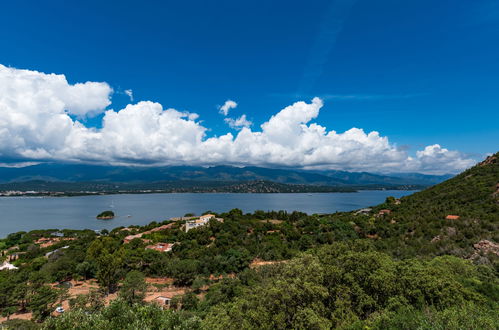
column 452, row 217
column 384, row 212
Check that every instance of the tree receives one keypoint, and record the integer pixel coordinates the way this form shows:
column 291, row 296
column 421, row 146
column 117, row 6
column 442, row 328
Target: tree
column 134, row 287
column 109, row 269
column 43, row 301
column 190, row 301
column 8, row 311
column 198, row 283
column 85, row 269
column 185, row 271
column 8, row 304
column 108, row 257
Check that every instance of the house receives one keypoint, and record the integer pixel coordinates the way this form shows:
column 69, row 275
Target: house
column 206, row 217
column 203, row 220
column 384, row 212
column 363, row 211
column 160, row 247
column 452, row 217
column 163, row 301
column 16, row 255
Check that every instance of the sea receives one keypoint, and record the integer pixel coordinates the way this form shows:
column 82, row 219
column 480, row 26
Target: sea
column 29, row 213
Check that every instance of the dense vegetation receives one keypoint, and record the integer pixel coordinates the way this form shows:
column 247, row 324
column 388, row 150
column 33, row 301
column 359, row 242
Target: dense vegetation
column 401, row 264
column 105, row 215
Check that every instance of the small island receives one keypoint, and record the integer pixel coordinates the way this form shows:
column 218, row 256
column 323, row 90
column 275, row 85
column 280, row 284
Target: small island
column 106, row 215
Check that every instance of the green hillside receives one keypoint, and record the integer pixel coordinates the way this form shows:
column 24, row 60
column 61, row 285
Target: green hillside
column 418, row 225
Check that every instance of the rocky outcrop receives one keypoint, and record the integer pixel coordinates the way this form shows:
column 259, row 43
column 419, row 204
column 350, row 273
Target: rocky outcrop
column 485, row 247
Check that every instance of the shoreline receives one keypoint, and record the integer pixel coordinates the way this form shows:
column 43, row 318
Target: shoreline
column 107, row 193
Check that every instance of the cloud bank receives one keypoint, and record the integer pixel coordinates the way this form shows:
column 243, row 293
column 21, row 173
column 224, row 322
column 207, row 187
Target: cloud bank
column 40, row 122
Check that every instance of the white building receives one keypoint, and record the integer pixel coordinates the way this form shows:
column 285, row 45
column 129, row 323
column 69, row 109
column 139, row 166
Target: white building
column 203, row 220
column 8, row 266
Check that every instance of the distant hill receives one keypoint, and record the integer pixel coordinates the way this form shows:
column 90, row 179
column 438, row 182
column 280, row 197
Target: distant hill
column 61, row 188
column 93, row 173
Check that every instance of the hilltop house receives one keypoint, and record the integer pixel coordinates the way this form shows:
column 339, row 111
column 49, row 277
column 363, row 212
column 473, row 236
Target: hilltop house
column 452, row 217
column 203, row 220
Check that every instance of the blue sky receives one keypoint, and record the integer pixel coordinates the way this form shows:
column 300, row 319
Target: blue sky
column 419, row 72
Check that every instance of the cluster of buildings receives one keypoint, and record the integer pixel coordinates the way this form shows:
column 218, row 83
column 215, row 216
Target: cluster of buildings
column 17, row 193
column 30, row 193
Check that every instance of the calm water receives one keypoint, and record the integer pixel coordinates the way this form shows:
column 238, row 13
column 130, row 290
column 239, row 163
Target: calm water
column 27, row 213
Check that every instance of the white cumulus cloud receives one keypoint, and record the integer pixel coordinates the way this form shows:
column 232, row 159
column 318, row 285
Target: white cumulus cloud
column 238, row 123
column 229, row 104
column 35, row 108
column 434, row 158
column 35, row 125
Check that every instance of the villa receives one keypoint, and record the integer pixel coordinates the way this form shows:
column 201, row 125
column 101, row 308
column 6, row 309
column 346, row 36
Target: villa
column 202, row 221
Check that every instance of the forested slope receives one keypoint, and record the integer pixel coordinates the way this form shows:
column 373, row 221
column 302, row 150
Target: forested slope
column 419, row 223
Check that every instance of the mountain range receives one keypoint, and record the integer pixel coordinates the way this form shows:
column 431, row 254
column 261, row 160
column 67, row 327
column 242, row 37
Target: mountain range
column 53, row 172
